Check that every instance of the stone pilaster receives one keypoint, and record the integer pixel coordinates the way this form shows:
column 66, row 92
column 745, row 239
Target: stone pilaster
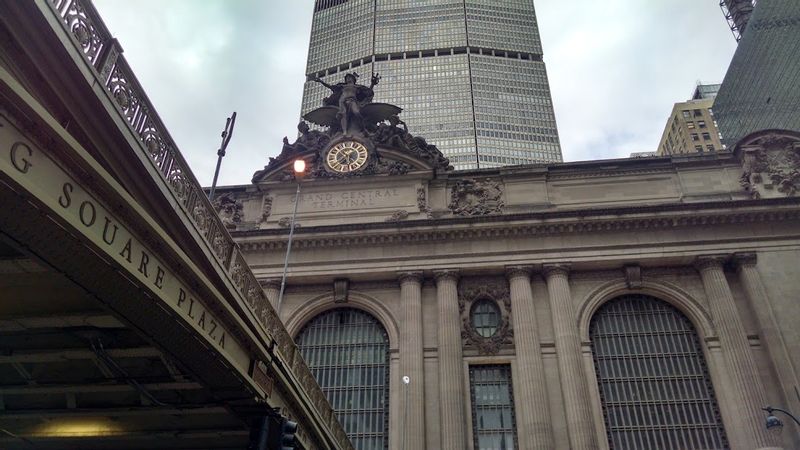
column 451, row 372
column 767, row 323
column 411, row 361
column 574, row 390
column 272, row 288
column 533, row 411
column 742, row 371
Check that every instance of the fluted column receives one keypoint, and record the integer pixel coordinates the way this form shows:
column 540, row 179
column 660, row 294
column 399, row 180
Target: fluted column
column 272, row 288
column 533, row 411
column 411, row 361
column 574, row 390
column 742, row 372
column 767, row 323
column 451, row 372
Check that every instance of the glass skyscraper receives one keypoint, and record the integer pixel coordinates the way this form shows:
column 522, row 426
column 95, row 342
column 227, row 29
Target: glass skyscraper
column 468, row 74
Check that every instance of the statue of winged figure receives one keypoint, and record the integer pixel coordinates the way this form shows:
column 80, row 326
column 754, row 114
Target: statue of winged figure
column 349, row 98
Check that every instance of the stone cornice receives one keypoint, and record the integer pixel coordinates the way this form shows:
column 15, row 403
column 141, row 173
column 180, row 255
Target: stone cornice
column 637, row 218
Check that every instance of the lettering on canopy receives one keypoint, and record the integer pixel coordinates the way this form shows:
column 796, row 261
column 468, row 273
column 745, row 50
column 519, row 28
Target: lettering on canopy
column 35, row 171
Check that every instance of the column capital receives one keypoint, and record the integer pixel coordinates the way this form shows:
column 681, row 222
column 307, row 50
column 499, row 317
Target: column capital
column 707, row 262
column 410, row 276
column 267, row 283
column 550, row 270
column 742, row 259
column 445, row 274
column 518, row 271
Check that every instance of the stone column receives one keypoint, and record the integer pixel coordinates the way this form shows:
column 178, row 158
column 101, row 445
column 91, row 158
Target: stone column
column 451, row 363
column 533, row 411
column 745, row 384
column 776, row 346
column 411, row 362
column 574, row 390
column 272, row 288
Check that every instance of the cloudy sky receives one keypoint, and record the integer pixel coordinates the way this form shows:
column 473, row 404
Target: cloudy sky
column 615, row 68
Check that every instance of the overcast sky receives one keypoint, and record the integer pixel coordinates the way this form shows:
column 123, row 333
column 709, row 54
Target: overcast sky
column 615, row 66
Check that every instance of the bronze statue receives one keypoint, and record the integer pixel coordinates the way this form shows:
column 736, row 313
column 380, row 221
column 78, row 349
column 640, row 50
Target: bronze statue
column 349, row 98
column 309, row 140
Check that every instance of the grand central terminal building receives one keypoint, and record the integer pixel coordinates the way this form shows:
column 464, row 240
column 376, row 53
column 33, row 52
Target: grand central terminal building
column 646, row 303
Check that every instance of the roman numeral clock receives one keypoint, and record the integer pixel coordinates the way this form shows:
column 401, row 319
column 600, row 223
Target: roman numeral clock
column 346, row 157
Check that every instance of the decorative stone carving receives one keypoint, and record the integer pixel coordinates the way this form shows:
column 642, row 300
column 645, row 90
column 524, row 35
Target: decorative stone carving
column 491, row 289
column 309, row 139
column 286, row 222
column 340, row 290
column 266, row 208
column 473, row 197
column 375, row 166
column 771, row 163
column 422, row 201
column 633, row 276
column 397, row 216
column 229, row 210
column 350, row 114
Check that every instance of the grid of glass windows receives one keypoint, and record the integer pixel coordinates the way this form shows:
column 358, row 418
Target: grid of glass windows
column 347, row 350
column 505, row 24
column 654, row 385
column 405, row 25
column 340, row 33
column 435, row 96
column 513, row 112
column 468, row 74
column 493, row 422
column 485, row 318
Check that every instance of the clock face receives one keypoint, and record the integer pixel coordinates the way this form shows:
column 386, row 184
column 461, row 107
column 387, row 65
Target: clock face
column 347, row 156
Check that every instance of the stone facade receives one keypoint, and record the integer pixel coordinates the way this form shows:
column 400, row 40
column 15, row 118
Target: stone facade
column 558, row 241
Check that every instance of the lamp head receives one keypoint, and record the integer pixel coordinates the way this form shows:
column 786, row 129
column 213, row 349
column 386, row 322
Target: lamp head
column 299, row 167
column 772, row 423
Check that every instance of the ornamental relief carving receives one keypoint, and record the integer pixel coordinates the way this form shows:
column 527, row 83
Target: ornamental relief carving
column 473, row 197
column 771, row 165
column 229, row 209
column 495, row 291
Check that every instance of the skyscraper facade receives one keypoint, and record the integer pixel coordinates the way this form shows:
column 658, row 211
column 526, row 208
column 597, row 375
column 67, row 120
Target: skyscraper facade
column 761, row 89
column 468, row 74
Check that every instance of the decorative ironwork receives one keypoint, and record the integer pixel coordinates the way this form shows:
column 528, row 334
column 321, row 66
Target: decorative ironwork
column 85, row 26
column 492, row 398
column 654, row 384
column 102, row 53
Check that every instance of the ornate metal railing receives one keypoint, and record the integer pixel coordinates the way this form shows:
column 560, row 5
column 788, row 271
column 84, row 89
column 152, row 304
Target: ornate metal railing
column 104, row 54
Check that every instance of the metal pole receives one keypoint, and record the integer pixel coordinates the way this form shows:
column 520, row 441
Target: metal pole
column 226, row 137
column 406, row 381
column 288, row 249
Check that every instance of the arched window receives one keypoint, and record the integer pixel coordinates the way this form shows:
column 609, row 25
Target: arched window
column 347, row 350
column 654, row 384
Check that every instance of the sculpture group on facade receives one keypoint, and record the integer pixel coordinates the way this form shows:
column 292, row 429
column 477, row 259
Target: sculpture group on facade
column 349, row 112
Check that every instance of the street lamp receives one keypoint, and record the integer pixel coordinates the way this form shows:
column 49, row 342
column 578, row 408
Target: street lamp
column 775, row 424
column 299, row 171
